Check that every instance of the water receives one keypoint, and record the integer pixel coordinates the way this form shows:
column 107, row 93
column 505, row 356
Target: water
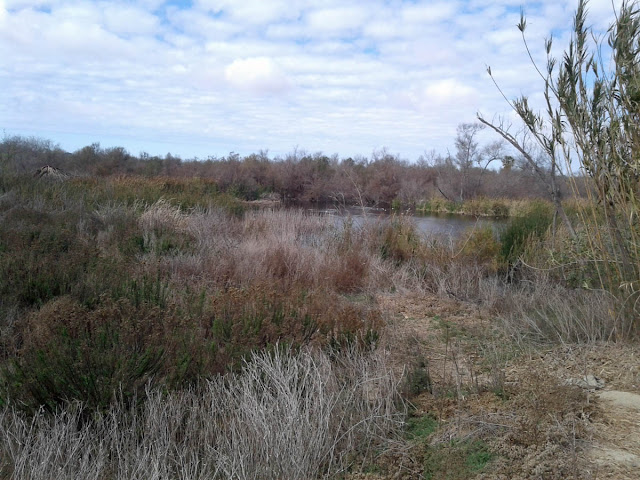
column 452, row 225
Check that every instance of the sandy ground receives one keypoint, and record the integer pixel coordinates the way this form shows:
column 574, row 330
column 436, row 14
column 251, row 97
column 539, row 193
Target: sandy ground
column 616, row 446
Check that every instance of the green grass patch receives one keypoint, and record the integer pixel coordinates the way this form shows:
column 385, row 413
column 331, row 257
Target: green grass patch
column 457, row 460
column 419, row 428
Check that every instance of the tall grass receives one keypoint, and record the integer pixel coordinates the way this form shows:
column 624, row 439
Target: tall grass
column 591, row 123
column 543, row 312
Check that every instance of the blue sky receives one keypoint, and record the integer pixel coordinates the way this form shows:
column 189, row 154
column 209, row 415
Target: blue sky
column 207, row 77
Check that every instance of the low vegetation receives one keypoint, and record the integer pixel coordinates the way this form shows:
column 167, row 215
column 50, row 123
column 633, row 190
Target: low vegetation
column 129, row 313
column 296, row 415
column 157, row 314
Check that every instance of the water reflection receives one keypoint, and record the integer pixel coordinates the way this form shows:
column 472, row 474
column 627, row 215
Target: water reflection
column 452, row 225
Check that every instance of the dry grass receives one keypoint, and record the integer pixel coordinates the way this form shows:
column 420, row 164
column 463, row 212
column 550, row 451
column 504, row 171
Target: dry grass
column 492, row 412
column 295, row 416
column 110, row 295
column 544, row 312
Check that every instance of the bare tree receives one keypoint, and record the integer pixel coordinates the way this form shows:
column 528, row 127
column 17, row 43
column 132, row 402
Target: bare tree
column 471, row 159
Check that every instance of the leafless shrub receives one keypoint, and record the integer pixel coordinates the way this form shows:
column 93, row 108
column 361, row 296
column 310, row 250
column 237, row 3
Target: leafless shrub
column 286, row 224
column 302, row 417
column 50, row 447
column 214, row 230
column 287, row 415
column 546, row 312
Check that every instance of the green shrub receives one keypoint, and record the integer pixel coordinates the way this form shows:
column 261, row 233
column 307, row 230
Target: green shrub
column 242, row 319
column 398, row 240
column 481, row 246
column 522, row 230
column 72, row 353
column 421, row 427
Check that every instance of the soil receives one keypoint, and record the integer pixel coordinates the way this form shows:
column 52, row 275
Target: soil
column 615, row 451
column 550, row 412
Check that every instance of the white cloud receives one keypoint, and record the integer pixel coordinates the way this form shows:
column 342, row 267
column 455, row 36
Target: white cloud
column 338, row 19
column 349, row 75
column 257, row 74
column 254, row 12
column 200, row 25
column 429, row 12
column 448, row 91
column 381, row 29
column 11, row 4
column 124, row 19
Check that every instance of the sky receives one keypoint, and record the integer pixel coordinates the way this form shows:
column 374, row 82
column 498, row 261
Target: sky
column 204, row 78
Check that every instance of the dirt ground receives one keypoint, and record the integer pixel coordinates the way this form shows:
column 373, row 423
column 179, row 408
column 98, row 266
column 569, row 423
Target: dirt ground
column 551, row 412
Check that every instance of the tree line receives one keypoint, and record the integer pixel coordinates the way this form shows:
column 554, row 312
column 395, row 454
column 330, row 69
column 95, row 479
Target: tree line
column 382, row 180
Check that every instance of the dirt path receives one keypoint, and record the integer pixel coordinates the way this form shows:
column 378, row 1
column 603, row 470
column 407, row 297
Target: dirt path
column 533, row 408
column 616, row 446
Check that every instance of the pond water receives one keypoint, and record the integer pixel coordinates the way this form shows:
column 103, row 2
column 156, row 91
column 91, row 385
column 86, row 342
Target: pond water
column 452, row 225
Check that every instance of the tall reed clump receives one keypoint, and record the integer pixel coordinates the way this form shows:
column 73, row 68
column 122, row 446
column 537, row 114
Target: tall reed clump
column 600, row 101
column 294, row 415
column 591, row 126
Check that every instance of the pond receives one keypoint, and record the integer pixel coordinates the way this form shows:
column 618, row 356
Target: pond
column 433, row 224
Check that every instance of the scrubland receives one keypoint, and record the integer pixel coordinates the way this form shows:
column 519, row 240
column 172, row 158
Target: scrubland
column 159, row 328
column 155, row 324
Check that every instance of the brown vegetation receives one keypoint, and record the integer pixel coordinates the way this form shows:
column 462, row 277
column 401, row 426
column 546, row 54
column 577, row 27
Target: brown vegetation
column 383, row 180
column 118, row 288
column 151, row 321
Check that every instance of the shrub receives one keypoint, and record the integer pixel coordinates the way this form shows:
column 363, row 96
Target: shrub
column 286, row 414
column 522, row 230
column 397, row 240
column 480, row 245
column 71, row 353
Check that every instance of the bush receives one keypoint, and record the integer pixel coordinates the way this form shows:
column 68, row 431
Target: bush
column 480, row 245
column 72, row 353
column 286, row 414
column 397, row 239
column 522, row 230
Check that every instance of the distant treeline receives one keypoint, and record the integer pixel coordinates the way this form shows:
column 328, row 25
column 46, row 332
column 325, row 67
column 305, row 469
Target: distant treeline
column 383, row 179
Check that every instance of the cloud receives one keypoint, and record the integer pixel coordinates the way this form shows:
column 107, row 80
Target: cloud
column 337, row 20
column 128, row 20
column 430, row 12
column 253, row 12
column 350, row 75
column 448, row 91
column 257, row 74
